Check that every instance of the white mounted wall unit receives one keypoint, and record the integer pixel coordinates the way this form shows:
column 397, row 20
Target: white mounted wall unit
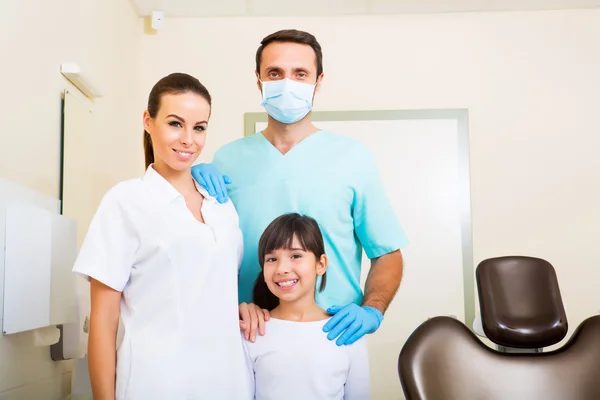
column 38, row 247
column 158, row 17
column 73, row 73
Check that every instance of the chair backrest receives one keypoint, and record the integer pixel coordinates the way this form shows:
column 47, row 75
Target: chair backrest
column 444, row 360
column 520, row 302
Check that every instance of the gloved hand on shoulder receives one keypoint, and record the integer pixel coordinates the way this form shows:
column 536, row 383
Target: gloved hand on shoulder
column 211, row 179
column 354, row 321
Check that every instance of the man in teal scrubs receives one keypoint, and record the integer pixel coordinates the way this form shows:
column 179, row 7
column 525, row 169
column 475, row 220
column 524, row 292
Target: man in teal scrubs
column 293, row 166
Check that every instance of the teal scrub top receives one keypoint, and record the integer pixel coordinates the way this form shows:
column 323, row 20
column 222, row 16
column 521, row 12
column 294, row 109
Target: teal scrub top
column 331, row 178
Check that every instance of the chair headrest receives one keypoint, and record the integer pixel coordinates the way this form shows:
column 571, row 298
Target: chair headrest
column 520, row 302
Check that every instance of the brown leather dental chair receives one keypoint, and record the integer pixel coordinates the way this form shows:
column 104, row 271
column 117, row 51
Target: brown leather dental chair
column 522, row 312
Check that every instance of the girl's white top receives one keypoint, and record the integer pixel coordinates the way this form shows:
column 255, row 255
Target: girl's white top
column 178, row 277
column 296, row 361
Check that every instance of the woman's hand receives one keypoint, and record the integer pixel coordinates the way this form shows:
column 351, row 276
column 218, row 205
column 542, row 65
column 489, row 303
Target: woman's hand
column 252, row 317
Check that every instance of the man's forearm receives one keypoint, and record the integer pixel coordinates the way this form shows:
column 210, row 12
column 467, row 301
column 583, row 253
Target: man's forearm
column 383, row 281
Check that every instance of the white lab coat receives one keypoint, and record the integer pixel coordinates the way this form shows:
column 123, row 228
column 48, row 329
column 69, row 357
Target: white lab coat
column 179, row 282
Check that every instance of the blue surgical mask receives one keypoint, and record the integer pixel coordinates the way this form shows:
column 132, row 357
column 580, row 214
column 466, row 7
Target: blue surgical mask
column 286, row 100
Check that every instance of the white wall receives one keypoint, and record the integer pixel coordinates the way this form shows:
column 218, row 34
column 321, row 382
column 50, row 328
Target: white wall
column 35, row 38
column 529, row 79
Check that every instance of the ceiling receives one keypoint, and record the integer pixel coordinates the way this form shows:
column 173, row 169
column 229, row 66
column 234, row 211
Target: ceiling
column 230, row 8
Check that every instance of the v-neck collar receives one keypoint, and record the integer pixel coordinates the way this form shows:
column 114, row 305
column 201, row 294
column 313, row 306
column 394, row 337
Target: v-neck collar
column 165, row 191
column 303, row 143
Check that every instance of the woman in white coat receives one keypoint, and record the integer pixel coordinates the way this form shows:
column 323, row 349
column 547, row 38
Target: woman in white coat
column 161, row 254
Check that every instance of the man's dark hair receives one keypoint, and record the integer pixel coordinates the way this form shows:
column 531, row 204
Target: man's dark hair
column 291, row 36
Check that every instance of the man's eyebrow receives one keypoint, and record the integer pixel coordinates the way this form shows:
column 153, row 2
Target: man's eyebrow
column 276, row 68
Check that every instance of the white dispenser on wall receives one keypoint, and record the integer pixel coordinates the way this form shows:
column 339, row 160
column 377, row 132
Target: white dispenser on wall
column 41, row 295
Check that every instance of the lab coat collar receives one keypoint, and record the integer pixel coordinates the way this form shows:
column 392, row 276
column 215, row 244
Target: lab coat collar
column 164, row 191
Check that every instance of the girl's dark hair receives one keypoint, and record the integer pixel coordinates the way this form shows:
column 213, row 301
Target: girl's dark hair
column 175, row 83
column 280, row 235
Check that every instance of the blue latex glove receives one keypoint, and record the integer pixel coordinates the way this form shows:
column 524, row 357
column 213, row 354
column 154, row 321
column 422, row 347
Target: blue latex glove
column 355, row 320
column 209, row 177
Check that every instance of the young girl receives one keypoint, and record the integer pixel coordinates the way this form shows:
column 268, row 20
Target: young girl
column 159, row 253
column 294, row 359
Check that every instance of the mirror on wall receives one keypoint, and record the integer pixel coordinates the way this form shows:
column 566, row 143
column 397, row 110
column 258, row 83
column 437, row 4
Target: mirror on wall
column 76, row 186
column 77, row 189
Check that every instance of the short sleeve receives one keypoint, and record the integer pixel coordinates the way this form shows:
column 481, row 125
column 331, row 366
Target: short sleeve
column 218, row 160
column 358, row 384
column 224, row 159
column 108, row 250
column 375, row 222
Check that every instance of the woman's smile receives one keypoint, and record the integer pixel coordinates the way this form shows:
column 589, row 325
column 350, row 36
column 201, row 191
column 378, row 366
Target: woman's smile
column 184, row 155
